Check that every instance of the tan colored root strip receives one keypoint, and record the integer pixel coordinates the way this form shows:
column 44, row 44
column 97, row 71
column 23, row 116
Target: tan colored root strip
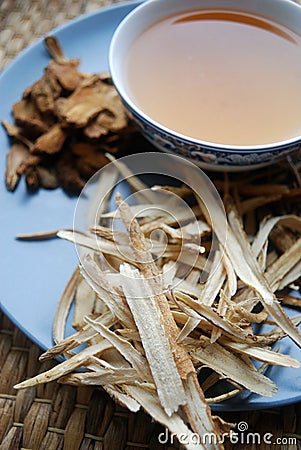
column 247, row 268
column 262, row 354
column 214, row 282
column 150, row 324
column 232, row 367
column 122, row 398
column 124, row 347
column 99, row 282
column 256, row 202
column 175, row 424
column 198, row 411
column 84, row 303
column 39, row 236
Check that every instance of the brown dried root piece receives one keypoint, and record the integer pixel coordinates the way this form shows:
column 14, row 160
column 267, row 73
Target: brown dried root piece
column 62, row 113
column 88, row 101
column 15, row 156
column 50, row 142
column 43, row 93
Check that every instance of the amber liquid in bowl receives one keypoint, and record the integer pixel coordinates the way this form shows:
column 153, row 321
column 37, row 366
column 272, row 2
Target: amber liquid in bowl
column 226, row 77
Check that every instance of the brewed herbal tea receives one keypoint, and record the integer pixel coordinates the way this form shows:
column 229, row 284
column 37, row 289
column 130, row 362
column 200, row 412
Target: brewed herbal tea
column 221, row 76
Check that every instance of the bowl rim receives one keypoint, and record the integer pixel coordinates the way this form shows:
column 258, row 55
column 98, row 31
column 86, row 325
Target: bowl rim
column 136, row 111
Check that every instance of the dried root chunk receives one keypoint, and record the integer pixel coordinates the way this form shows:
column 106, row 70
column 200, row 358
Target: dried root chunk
column 32, row 179
column 16, row 155
column 68, row 176
column 54, row 49
column 112, row 118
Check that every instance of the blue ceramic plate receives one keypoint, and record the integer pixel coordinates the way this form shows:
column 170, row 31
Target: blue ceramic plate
column 33, row 275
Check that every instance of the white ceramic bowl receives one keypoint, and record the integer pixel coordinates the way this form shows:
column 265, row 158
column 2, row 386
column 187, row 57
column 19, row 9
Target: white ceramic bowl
column 206, row 154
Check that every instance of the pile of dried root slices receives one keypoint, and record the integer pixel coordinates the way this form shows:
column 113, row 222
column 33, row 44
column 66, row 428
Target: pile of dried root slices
column 147, row 345
column 63, row 125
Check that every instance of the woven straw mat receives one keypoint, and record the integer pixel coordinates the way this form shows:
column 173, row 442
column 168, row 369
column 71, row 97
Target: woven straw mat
column 52, row 416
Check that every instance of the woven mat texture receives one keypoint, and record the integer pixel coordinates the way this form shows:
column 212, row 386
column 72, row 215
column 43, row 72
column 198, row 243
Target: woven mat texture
column 56, row 417
column 24, row 21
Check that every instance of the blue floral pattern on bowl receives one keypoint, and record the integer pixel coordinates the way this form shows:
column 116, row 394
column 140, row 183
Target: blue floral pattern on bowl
column 208, row 156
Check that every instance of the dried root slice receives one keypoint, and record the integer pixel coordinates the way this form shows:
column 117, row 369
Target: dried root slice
column 67, row 366
column 101, row 377
column 255, row 279
column 39, row 235
column 283, row 266
column 124, row 347
column 86, row 334
column 266, row 226
column 118, row 394
column 262, row 354
column 50, row 142
column 86, row 102
column 107, row 293
column 150, row 326
column 198, row 412
column 174, row 423
column 199, row 311
column 64, row 305
column 232, row 367
column 142, row 303
column 290, row 300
